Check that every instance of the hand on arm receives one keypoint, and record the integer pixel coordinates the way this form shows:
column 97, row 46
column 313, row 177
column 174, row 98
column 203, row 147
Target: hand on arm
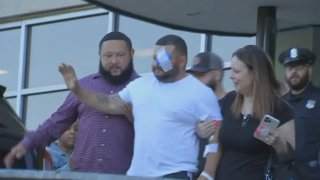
column 16, row 152
column 111, row 104
column 206, row 128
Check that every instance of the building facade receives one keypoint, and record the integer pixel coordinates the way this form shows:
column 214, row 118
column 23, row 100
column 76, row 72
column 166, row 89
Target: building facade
column 37, row 35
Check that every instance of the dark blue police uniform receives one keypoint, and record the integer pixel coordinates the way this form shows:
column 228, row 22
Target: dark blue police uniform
column 307, row 119
column 307, row 128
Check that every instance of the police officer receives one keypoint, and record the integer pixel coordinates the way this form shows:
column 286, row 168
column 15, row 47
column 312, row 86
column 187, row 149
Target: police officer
column 305, row 99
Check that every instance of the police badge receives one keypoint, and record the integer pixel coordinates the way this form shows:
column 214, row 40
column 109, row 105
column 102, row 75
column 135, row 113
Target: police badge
column 310, row 104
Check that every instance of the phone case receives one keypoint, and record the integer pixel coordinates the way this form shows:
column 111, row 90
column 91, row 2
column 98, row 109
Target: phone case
column 267, row 125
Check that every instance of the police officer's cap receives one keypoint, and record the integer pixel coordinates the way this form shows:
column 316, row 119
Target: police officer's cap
column 297, row 56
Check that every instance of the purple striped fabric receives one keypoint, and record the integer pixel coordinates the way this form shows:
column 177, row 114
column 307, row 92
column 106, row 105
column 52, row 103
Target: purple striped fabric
column 104, row 142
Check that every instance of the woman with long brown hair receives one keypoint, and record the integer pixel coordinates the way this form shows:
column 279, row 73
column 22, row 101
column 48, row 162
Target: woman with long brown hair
column 257, row 93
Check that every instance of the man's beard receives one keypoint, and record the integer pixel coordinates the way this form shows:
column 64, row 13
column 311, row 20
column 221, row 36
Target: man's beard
column 168, row 76
column 117, row 80
column 212, row 85
column 300, row 85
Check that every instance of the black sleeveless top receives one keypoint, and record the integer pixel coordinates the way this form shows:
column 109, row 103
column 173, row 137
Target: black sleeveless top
column 244, row 156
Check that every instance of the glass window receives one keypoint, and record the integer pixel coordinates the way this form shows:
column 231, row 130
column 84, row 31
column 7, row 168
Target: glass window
column 145, row 37
column 12, row 102
column 10, row 46
column 224, row 46
column 37, row 113
column 73, row 41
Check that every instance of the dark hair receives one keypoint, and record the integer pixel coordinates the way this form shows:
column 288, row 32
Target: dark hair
column 266, row 88
column 2, row 90
column 115, row 36
column 179, row 44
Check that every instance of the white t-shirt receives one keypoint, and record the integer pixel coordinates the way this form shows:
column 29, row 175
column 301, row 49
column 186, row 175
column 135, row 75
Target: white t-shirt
column 165, row 118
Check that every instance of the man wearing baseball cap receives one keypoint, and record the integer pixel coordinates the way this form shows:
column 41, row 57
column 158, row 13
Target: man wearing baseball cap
column 208, row 68
column 305, row 98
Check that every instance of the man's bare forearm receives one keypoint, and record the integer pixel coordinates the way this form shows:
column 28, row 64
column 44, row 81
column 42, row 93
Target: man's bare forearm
column 110, row 104
column 101, row 102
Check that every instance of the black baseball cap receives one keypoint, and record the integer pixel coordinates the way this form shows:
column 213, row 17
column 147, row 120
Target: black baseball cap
column 206, row 61
column 297, row 56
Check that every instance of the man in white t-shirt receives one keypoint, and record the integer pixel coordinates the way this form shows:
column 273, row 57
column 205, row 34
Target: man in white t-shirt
column 166, row 107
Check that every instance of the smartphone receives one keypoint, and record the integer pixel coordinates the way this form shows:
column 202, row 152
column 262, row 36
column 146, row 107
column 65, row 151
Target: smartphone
column 268, row 124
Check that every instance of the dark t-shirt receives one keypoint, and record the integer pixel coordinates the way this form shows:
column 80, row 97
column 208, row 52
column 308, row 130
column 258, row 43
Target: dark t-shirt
column 243, row 156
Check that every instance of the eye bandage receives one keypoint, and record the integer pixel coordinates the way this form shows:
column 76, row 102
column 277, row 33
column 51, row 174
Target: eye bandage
column 164, row 60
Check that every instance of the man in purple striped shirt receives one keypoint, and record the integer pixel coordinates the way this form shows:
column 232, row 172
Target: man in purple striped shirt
column 104, row 142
